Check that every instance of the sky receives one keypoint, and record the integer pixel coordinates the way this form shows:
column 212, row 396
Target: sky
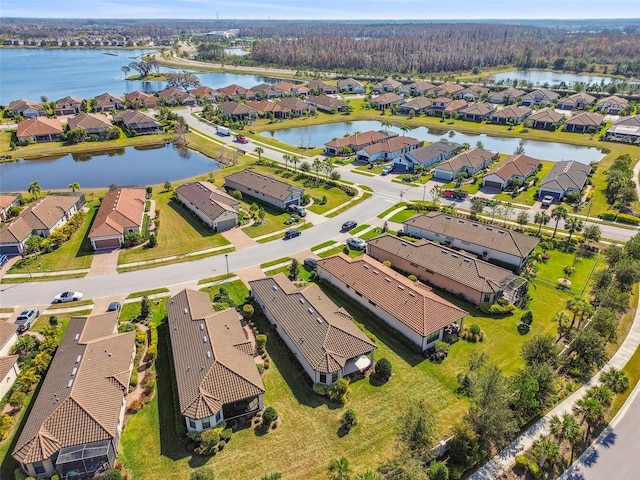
column 323, row 9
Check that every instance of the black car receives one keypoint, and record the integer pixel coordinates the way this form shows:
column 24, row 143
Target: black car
column 297, row 209
column 310, row 263
column 349, row 225
column 292, row 234
column 114, row 307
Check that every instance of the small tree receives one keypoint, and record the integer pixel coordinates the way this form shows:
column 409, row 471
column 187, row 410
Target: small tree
column 438, row 471
column 153, row 240
column 383, row 368
column 616, row 380
column 113, row 474
column 348, row 420
column 17, row 399
column 294, row 269
column 167, row 186
column 269, row 416
column 261, row 341
column 339, row 469
column 247, row 311
column 53, row 320
column 145, row 308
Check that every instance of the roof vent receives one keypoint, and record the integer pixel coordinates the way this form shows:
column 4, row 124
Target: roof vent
column 70, row 383
column 310, row 310
column 412, row 293
column 500, row 231
column 301, row 300
column 318, row 319
column 401, row 287
column 366, row 266
column 466, row 260
column 376, row 272
column 454, row 255
column 387, row 279
column 202, row 326
column 74, row 371
column 403, row 244
column 448, row 218
column 186, row 310
column 78, row 358
column 474, row 224
column 444, row 251
column 461, row 221
column 208, row 353
column 490, row 229
column 76, row 337
column 275, row 287
column 205, row 339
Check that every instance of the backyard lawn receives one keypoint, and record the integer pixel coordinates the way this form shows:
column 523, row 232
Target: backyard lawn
column 179, row 233
column 551, row 270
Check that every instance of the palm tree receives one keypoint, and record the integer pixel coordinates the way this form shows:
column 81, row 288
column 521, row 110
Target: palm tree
column 286, row 159
column 295, row 159
column 546, row 449
column 405, row 128
column 615, row 379
column 562, row 318
column 494, row 205
column 339, row 469
column 522, row 219
column 558, row 214
column 259, row 151
column 566, row 429
column 541, row 218
column 508, row 211
column 568, row 270
column 327, row 166
column 74, row 186
column 602, row 394
column 573, row 224
column 386, row 124
column 368, row 475
column 317, row 166
column 592, row 412
column 35, row 189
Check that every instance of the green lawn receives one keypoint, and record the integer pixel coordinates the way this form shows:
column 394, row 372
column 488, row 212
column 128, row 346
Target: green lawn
column 403, row 215
column 303, row 273
column 322, row 245
column 238, row 291
column 75, row 254
column 392, row 209
column 273, row 220
column 275, row 262
column 179, row 233
column 338, row 249
column 359, row 228
column 374, row 232
column 148, row 292
column 551, row 270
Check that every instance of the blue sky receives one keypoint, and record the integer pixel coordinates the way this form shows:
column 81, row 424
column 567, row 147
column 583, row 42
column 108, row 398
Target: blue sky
column 322, row 9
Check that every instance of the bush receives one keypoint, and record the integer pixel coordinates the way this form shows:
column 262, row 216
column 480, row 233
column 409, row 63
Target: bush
column 113, row 474
column 609, row 215
column 152, row 353
column 17, row 399
column 6, row 422
column 523, row 328
column 226, row 435
column 629, row 219
column 529, row 465
column 348, row 421
column 472, row 334
column 339, row 391
column 18, row 474
column 383, row 368
column 237, row 194
column 497, row 309
column 387, row 263
column 413, row 278
column 269, row 416
column 441, row 351
column 261, row 341
column 320, row 389
column 527, row 317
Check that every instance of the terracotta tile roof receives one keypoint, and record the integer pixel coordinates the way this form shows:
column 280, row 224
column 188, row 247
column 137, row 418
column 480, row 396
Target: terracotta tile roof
column 204, row 91
column 447, row 88
column 455, row 105
column 565, row 175
column 210, row 356
column 296, row 105
column 471, row 158
column 32, row 127
column 7, row 199
column 580, row 97
column 172, row 92
column 541, row 95
column 478, row 233
column 21, row 104
column 508, row 93
column 344, row 83
column 478, row 109
column 81, row 397
column 387, row 98
column 136, row 119
column 418, row 103
column 323, row 332
column 7, row 330
column 515, row 165
column 462, row 268
column 327, row 101
column 429, row 152
column 546, row 115
column 412, row 303
column 511, row 111
column 421, row 85
column 235, row 108
column 388, row 83
column 266, row 184
column 266, row 106
column 89, row 121
column 68, row 101
column 211, row 201
column 284, row 86
column 392, row 144
column 138, row 95
column 586, row 119
column 120, row 209
column 358, row 139
column 6, row 364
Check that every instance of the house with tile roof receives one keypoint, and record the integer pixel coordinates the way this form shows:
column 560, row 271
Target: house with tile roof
column 385, row 86
column 205, row 93
column 472, row 93
column 564, row 177
column 238, row 111
column 9, row 371
column 327, row 103
column 321, row 87
column 39, row 129
column 477, row 112
column 545, row 119
column 46, row 215
column 322, row 336
column 415, row 106
column 453, row 271
column 235, row 92
column 584, row 122
column 78, row 415
column 417, row 88
column 469, row 162
column 8, row 337
column 612, row 105
column 26, row 108
column 107, row 102
column 439, row 104
column 541, row 96
column 426, row 156
column 265, row 91
column 577, row 101
column 91, row 123
column 138, row 122
column 626, row 129
column 491, row 243
column 68, row 106
column 355, row 142
column 297, row 106
column 447, row 89
column 217, row 209
column 515, row 167
column 388, row 149
column 8, row 200
column 216, row 376
column 507, row 95
column 349, row 85
column 453, row 108
column 267, row 108
column 511, row 114
column 121, row 213
column 173, row 96
column 386, row 100
column 139, row 99
column 411, row 308
column 264, row 188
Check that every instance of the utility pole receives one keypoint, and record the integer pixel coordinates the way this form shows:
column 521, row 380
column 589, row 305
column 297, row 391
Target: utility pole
column 226, row 258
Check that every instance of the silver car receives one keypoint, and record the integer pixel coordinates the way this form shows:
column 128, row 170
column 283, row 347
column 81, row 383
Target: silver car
column 356, row 243
column 26, row 318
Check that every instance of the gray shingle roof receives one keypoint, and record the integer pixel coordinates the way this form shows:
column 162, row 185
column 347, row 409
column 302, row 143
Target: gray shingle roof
column 546, row 115
column 566, row 175
column 472, row 158
column 208, row 199
column 257, row 182
column 429, row 152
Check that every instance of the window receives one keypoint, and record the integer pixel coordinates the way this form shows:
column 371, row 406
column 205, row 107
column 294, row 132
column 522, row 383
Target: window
column 323, row 378
column 39, row 467
column 334, row 377
column 218, row 416
column 465, row 243
column 192, row 423
column 432, row 337
column 487, row 298
column 206, row 422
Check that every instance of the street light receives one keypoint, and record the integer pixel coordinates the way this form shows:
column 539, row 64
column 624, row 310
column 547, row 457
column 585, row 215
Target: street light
column 226, row 258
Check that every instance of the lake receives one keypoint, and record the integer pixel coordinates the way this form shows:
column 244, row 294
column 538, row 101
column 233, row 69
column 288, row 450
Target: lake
column 84, row 73
column 540, row 77
column 123, row 166
column 318, row 135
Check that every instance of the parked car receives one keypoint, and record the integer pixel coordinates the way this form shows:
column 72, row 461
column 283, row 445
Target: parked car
column 349, row 225
column 26, row 318
column 67, row 297
column 356, row 243
column 297, row 209
column 242, row 139
column 547, row 200
column 386, row 170
column 114, row 307
column 292, row 234
column 310, row 263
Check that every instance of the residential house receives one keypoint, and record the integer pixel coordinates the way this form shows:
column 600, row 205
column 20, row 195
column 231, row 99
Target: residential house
column 564, row 177
column 26, row 108
column 215, row 373
column 68, row 106
column 354, row 142
column 510, row 115
column 541, row 96
column 447, row 89
column 514, row 168
column 298, row 107
column 439, row 104
column 8, row 337
column 426, row 156
column 477, row 112
column 137, row 122
column 468, row 162
column 236, row 92
column 349, row 85
column 577, row 101
column 205, row 93
column 415, row 106
column 108, row 102
column 386, row 100
column 584, row 122
column 545, row 119
column 8, row 200
column 217, row 209
column 417, row 89
column 626, row 129
column 47, row 214
column 265, row 91
column 507, row 96
column 491, row 243
column 612, row 105
column 385, row 86
column 39, row 129
column 9, row 371
column 411, row 308
column 77, row 417
column 316, row 86
column 264, row 188
column 388, row 149
column 173, row 96
column 288, row 88
column 453, row 271
column 321, row 336
column 140, row 99
column 121, row 213
column 453, row 108
column 92, row 123
column 238, row 111
column 266, row 108
column 473, row 93
column 327, row 103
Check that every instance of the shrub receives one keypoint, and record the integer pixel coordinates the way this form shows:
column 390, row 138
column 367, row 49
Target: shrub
column 497, row 309
column 269, row 416
column 135, row 406
column 226, row 435
column 383, row 368
column 529, row 465
column 629, row 219
column 346, row 250
column 5, row 426
column 152, row 353
column 523, row 328
column 472, row 334
column 413, row 278
column 387, row 263
column 441, row 351
column 53, row 320
column 18, row 474
column 260, row 368
column 113, row 474
column 153, row 240
column 261, row 341
column 527, row 317
column 320, row 389
column 609, row 215
column 348, row 420
column 247, row 311
column 237, row 194
column 339, row 391
column 17, row 399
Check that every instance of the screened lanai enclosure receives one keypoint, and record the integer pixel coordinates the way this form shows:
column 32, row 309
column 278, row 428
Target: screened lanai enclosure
column 84, row 461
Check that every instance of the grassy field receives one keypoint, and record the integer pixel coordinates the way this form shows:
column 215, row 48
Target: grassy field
column 303, row 273
column 374, row 232
column 238, row 291
column 179, row 233
column 403, row 215
column 322, row 245
column 551, row 271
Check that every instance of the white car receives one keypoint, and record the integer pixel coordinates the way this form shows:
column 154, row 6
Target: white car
column 67, row 297
column 356, row 243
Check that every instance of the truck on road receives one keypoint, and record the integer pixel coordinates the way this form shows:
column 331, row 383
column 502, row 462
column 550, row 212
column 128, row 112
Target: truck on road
column 224, row 131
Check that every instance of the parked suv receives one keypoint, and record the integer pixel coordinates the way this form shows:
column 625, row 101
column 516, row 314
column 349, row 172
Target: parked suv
column 26, row 318
column 297, row 209
column 356, row 243
column 547, row 200
column 292, row 234
column 349, row 225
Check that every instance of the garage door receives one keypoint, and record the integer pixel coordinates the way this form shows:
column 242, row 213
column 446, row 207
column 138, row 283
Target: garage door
column 107, row 243
column 226, row 224
column 490, row 184
column 9, row 250
column 442, row 175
